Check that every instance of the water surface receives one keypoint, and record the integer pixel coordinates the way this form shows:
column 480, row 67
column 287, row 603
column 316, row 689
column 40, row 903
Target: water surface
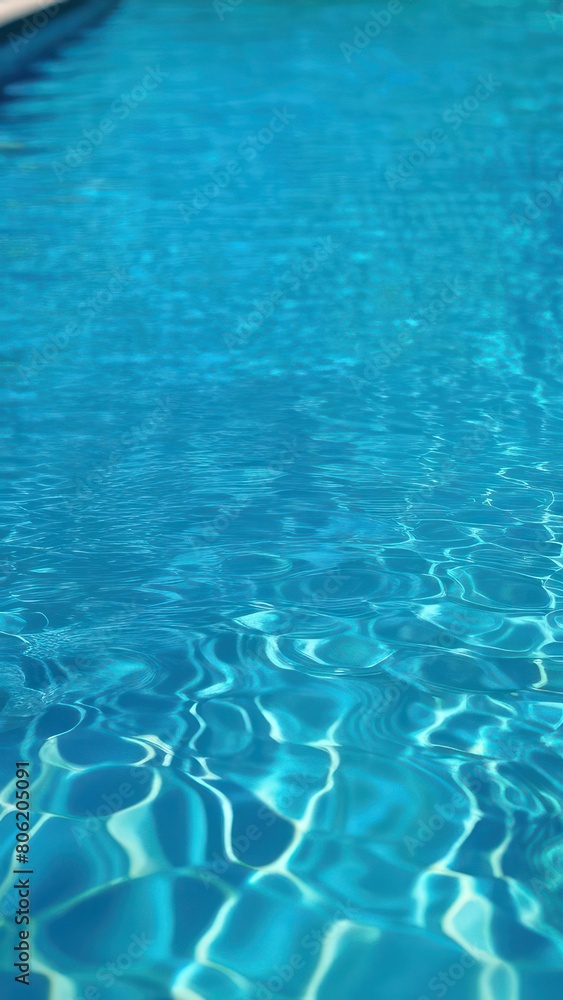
column 282, row 615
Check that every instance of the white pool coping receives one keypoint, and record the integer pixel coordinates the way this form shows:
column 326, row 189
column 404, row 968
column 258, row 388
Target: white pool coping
column 13, row 10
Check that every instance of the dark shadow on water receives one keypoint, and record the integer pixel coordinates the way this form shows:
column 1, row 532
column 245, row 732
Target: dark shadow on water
column 28, row 39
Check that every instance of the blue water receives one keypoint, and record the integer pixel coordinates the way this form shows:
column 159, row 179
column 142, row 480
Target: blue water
column 282, row 612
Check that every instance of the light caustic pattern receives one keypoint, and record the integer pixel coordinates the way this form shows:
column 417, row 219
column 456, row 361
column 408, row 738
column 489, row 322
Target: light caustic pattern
column 282, row 610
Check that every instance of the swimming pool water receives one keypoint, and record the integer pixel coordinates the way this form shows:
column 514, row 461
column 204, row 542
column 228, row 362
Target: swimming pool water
column 282, row 615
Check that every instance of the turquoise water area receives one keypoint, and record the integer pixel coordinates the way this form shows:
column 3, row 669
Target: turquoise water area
column 282, row 589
